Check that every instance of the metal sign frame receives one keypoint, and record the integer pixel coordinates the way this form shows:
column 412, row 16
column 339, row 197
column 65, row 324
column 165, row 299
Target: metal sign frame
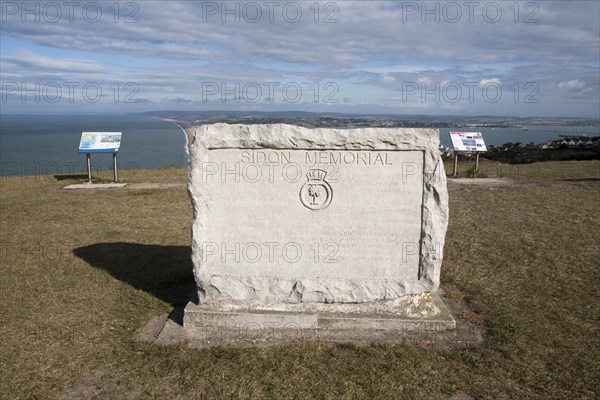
column 467, row 142
column 100, row 142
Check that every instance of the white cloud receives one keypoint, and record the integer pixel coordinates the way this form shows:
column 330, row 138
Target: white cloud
column 388, row 79
column 572, row 84
column 364, row 31
column 494, row 81
column 32, row 60
column 369, row 52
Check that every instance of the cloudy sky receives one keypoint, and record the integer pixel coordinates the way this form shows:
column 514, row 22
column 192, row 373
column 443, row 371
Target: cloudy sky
column 531, row 58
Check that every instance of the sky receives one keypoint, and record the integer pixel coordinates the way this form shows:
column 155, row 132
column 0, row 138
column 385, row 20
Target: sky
column 503, row 58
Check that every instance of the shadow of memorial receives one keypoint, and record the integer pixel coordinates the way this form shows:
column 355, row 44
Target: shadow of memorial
column 72, row 177
column 165, row 272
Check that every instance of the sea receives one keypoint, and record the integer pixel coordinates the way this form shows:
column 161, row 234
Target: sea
column 48, row 144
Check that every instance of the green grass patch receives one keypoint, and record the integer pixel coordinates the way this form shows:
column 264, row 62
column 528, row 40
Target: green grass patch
column 82, row 271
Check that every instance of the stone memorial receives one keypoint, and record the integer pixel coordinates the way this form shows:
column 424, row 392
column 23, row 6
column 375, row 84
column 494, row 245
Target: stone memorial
column 338, row 231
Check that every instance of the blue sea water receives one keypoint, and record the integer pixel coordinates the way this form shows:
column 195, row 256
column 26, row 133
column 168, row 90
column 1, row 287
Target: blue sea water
column 48, row 144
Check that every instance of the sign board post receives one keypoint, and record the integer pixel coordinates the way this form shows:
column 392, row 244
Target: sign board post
column 468, row 142
column 115, row 174
column 100, row 142
column 455, row 164
column 89, row 166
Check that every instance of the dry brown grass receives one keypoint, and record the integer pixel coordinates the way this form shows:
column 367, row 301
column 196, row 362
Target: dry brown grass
column 82, row 271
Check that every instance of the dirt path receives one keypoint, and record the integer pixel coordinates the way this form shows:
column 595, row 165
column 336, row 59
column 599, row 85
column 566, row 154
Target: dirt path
column 480, row 181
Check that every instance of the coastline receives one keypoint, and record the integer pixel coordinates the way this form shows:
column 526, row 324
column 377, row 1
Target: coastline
column 187, row 130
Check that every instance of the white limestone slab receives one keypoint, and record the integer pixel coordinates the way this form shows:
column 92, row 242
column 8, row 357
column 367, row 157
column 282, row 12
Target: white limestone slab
column 285, row 214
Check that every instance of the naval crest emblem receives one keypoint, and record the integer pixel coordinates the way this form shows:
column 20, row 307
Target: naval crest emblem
column 316, row 193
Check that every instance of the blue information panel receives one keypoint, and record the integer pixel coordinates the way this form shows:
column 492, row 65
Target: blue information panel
column 100, row 142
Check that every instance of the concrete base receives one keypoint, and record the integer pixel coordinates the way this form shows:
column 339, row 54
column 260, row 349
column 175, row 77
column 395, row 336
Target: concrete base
column 209, row 325
column 95, row 186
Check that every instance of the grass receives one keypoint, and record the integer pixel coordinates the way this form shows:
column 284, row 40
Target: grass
column 82, row 271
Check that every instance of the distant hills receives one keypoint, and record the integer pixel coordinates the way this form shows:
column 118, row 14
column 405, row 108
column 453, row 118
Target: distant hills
column 310, row 119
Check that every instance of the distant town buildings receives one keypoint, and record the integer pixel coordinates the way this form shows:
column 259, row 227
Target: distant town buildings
column 568, row 147
column 580, row 142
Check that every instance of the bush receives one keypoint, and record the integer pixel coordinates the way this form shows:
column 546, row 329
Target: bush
column 474, row 172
